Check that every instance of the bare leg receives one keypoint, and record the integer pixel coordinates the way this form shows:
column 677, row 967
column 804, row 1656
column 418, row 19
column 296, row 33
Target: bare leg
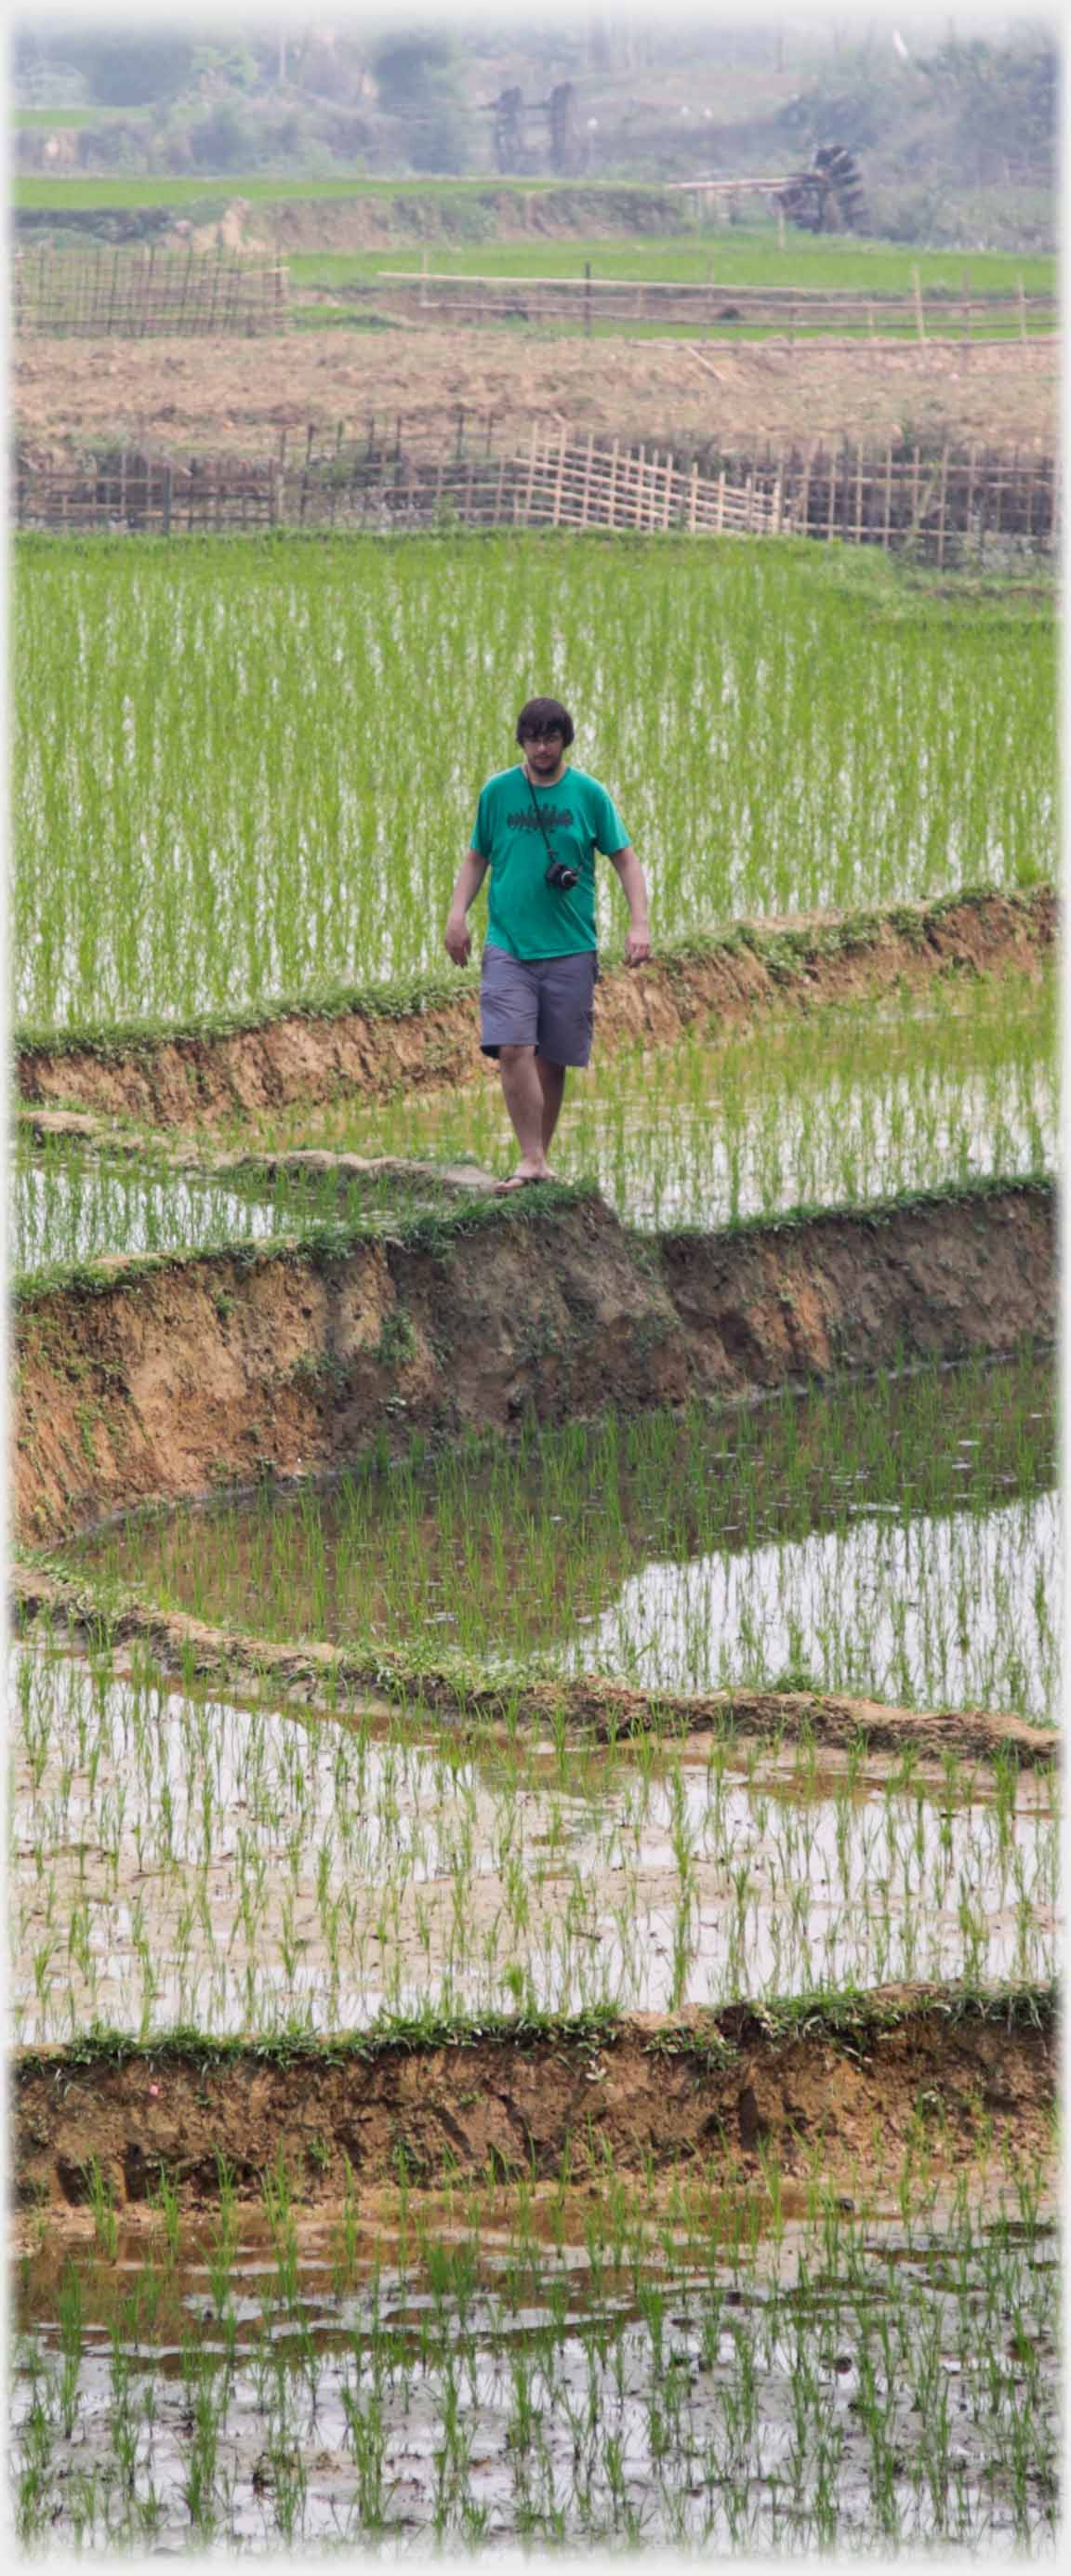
column 552, row 1081
column 522, row 1092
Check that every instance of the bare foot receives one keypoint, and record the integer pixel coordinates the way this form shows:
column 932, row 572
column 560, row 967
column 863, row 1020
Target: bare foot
column 524, row 1178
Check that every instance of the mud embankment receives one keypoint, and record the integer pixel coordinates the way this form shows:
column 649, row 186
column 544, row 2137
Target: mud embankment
column 204, row 1075
column 334, row 1681
column 847, row 2089
column 156, row 1379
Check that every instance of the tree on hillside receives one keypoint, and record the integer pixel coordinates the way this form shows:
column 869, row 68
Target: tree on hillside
column 418, row 77
column 1005, row 97
column 127, row 70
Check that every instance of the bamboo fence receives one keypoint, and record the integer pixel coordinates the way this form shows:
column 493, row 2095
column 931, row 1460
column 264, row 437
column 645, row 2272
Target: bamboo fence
column 144, row 294
column 949, row 504
column 587, row 300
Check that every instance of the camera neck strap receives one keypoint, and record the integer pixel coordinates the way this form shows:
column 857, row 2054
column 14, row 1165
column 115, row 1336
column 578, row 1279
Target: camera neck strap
column 540, row 818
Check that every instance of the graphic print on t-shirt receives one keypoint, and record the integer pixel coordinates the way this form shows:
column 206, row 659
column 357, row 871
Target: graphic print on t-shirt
column 558, row 818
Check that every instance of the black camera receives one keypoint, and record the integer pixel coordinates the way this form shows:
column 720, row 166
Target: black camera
column 562, row 877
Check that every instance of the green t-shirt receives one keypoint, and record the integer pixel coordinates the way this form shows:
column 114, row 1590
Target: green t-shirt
column 526, row 916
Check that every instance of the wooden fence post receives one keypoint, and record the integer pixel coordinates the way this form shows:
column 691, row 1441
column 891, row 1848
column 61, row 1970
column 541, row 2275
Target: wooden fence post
column 1021, row 293
column 917, row 285
column 585, row 493
column 556, row 521
column 971, row 455
column 942, row 499
column 531, row 474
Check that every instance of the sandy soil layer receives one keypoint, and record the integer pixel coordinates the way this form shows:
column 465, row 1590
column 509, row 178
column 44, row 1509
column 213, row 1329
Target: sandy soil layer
column 717, row 2088
column 203, row 1079
column 161, row 1378
column 237, row 395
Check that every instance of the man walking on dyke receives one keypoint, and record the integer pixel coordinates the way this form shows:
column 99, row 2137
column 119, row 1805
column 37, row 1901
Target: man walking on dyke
column 538, row 827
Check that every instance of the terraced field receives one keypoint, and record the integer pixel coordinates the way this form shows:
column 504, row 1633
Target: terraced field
column 535, row 1790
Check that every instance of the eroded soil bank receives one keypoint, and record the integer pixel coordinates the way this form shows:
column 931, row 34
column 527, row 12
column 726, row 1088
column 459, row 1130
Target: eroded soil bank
column 836, row 2087
column 204, row 1076
column 153, row 1379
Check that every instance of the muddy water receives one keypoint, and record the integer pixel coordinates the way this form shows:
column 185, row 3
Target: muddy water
column 190, row 1862
column 742, row 2383
column 896, row 1540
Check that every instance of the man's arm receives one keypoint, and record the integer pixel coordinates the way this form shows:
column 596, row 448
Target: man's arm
column 634, row 885
column 470, row 877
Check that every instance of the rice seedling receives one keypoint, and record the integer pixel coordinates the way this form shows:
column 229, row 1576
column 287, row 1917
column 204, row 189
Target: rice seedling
column 67, row 1208
column 309, row 1876
column 656, row 2363
column 850, row 1104
column 203, row 819
column 896, row 1539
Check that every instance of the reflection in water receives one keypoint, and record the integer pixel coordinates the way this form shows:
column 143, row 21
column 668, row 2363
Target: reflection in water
column 958, row 1612
column 178, row 1861
column 66, row 1209
column 896, row 1539
column 840, row 2382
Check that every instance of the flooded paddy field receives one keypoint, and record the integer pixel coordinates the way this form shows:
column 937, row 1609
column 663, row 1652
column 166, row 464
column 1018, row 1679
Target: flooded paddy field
column 627, row 2362
column 446, row 2113
column 896, row 1538
column 69, row 1205
column 845, row 1105
column 180, row 1861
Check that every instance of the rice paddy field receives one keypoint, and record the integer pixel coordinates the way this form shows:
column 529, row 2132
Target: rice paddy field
column 831, row 2325
column 848, row 1105
column 216, row 818
column 730, row 255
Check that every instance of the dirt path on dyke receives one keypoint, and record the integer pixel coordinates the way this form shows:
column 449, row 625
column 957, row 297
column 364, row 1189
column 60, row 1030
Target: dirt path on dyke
column 155, row 1378
column 838, row 2094
column 235, row 396
column 202, row 1078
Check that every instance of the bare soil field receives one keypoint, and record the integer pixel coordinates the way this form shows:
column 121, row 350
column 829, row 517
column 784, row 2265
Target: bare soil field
column 238, row 395
column 723, row 2088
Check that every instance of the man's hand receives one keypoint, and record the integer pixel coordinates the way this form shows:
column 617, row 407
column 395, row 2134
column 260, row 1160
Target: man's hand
column 458, row 938
column 634, row 889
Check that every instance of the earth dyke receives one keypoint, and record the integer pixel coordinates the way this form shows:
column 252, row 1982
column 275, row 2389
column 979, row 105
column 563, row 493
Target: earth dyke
column 213, row 1071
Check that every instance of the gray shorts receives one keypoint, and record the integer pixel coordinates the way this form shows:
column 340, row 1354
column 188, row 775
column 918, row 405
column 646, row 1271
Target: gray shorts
column 542, row 1002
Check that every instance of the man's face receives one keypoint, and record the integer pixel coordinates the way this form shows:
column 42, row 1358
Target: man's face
column 543, row 752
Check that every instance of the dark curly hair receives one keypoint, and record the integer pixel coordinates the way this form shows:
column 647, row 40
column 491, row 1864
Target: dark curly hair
column 545, row 715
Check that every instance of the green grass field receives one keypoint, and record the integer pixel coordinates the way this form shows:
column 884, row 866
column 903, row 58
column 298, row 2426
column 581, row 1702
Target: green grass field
column 55, row 119
column 163, row 190
column 262, row 759
column 725, row 255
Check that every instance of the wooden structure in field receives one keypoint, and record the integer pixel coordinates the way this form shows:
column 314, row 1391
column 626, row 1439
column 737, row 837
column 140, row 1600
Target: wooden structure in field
column 101, row 293
column 947, row 504
column 589, row 300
